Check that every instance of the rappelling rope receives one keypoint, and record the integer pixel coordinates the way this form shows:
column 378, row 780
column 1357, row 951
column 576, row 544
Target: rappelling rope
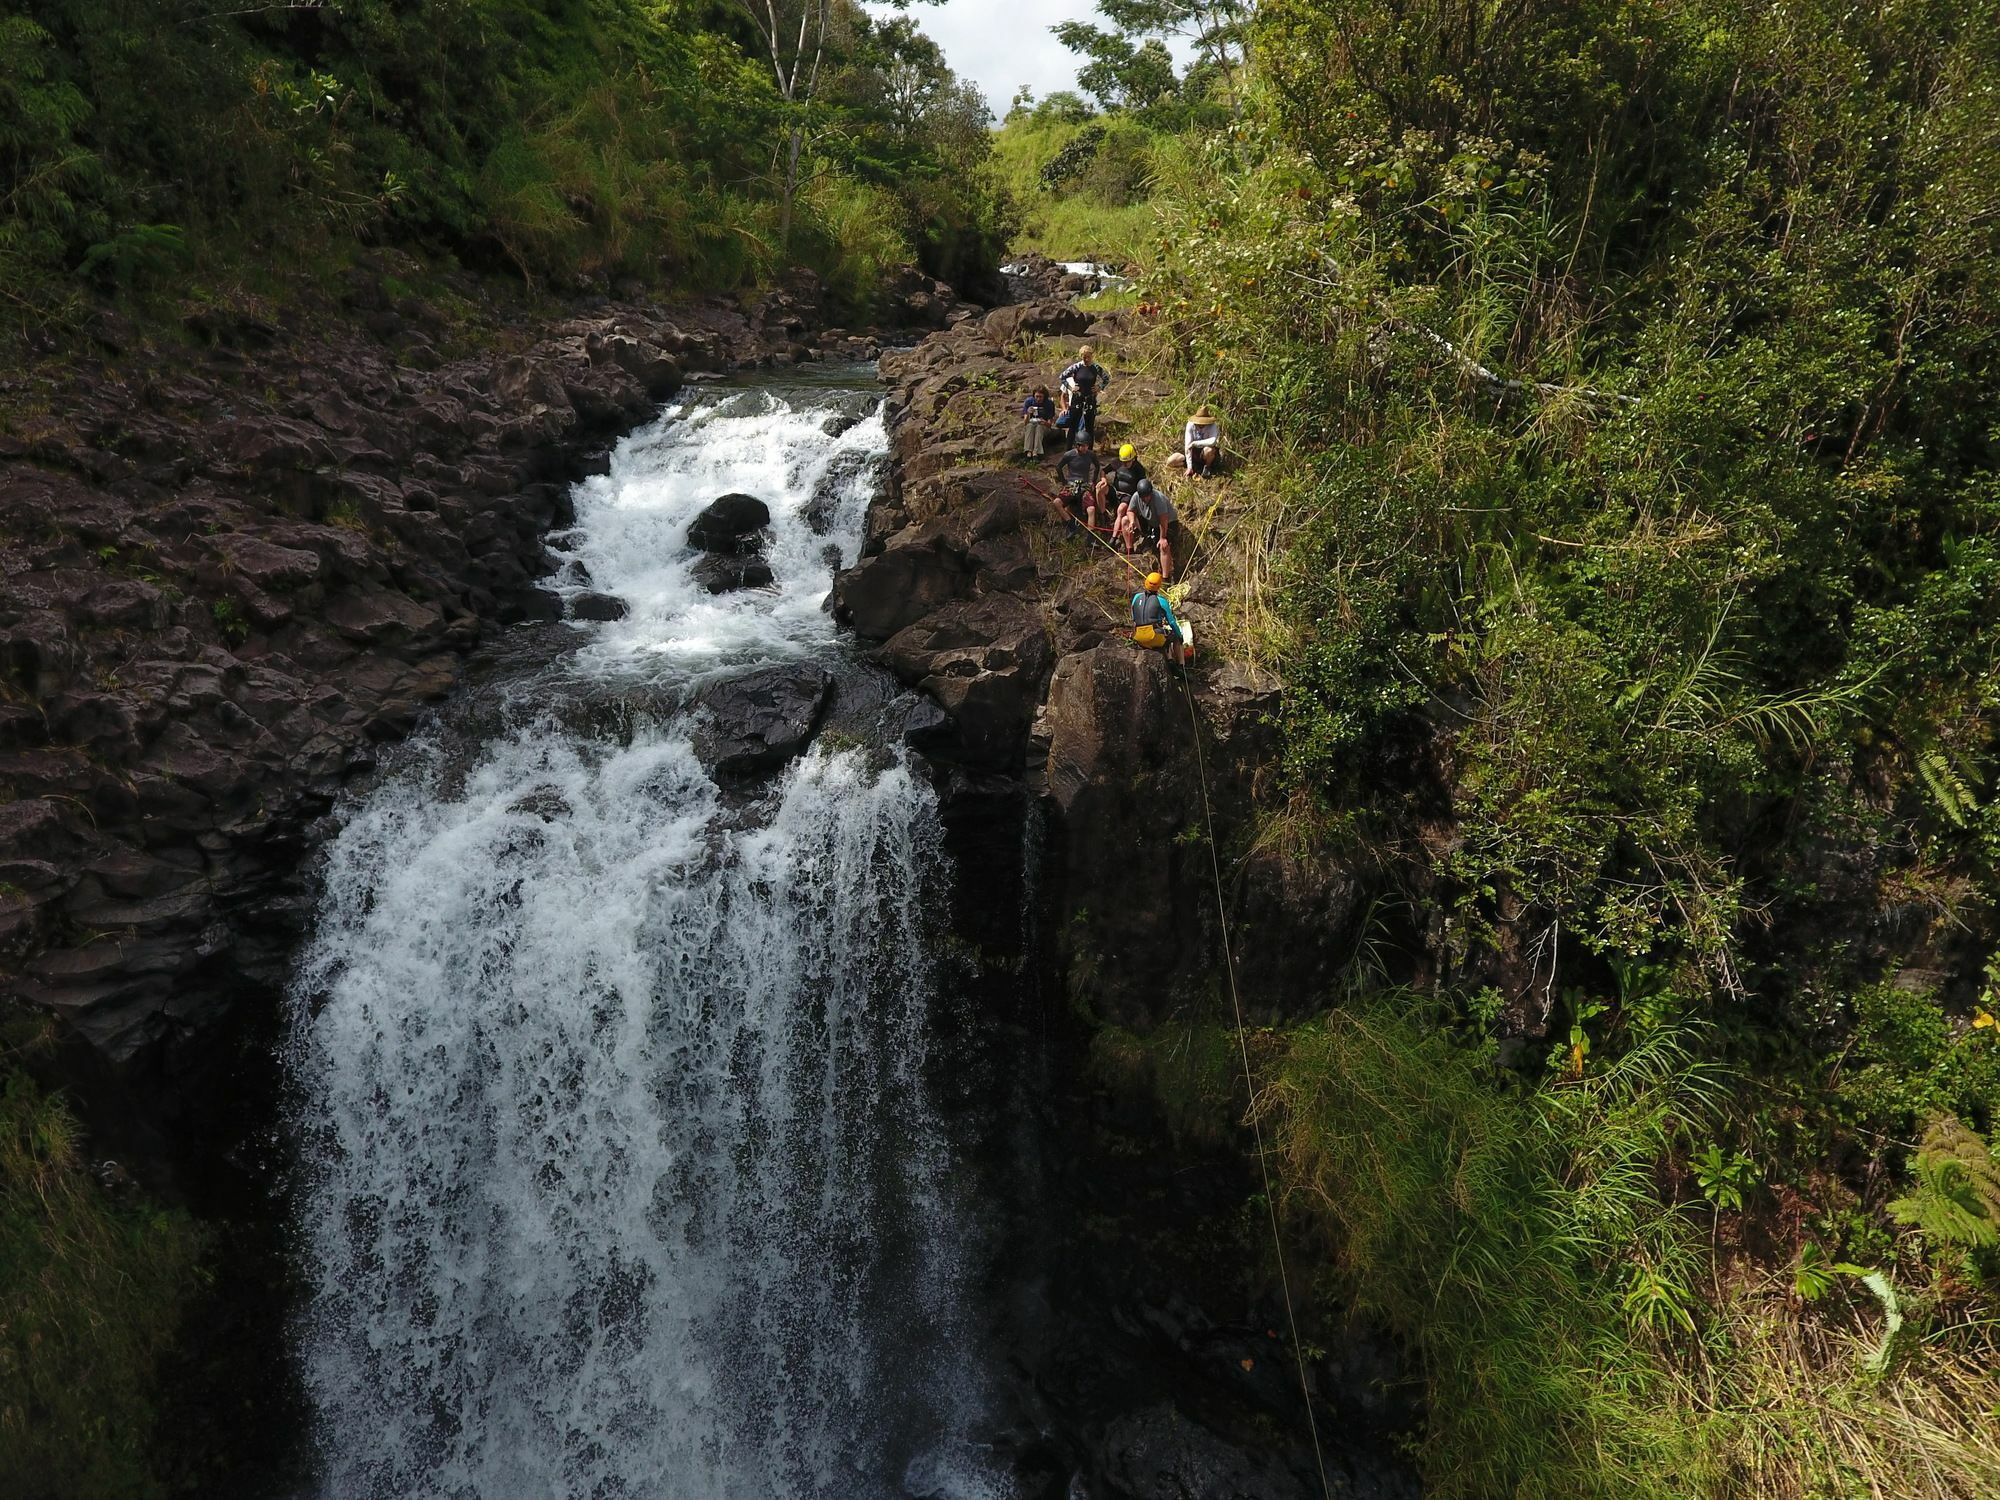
column 1256, row 1123
column 1242, row 1031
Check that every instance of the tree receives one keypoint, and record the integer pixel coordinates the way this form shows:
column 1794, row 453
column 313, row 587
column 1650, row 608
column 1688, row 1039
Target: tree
column 794, row 33
column 1130, row 65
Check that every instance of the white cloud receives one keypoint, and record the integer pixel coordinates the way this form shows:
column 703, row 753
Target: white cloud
column 1000, row 46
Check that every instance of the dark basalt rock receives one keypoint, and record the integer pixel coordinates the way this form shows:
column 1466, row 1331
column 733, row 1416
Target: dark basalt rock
column 984, row 662
column 725, row 573
column 730, row 524
column 600, row 607
column 759, row 721
column 228, row 574
column 1159, row 1454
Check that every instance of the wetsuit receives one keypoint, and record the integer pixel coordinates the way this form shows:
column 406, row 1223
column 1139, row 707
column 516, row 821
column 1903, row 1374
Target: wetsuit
column 1076, row 472
column 1125, row 478
column 1084, row 381
column 1153, row 610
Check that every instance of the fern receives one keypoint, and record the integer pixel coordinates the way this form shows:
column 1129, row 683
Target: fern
column 1945, row 775
column 1956, row 1197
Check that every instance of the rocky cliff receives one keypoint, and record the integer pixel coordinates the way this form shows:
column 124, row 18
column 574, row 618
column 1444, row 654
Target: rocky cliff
column 1020, row 632
column 1150, row 1358
column 239, row 562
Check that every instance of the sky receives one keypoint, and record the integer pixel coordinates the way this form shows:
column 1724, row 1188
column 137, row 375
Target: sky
column 1001, row 44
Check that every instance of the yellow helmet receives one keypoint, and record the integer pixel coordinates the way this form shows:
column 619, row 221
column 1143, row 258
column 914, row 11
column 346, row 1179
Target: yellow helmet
column 1153, row 580
column 1127, row 452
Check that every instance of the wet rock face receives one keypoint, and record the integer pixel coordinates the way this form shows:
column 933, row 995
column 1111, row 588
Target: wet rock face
column 726, row 573
column 226, row 578
column 1159, row 1454
column 759, row 721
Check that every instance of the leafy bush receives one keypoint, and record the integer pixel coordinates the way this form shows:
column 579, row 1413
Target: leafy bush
column 1955, row 1199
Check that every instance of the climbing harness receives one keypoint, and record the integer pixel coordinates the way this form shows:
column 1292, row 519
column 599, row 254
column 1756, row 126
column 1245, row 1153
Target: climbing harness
column 1242, row 1033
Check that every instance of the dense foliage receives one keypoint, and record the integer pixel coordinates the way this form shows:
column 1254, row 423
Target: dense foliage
column 565, row 140
column 1618, row 383
column 96, row 1287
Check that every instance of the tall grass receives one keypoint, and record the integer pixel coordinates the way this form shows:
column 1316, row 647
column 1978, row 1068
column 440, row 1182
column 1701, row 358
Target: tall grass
column 1575, row 1333
column 91, row 1292
column 1513, row 1236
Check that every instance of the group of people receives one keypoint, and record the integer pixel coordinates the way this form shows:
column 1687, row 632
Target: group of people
column 1118, row 499
column 1073, row 414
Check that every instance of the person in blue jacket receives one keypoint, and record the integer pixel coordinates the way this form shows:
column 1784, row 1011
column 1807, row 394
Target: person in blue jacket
column 1038, row 414
column 1153, row 624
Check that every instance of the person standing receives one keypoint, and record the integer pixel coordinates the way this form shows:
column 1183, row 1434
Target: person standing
column 1082, row 382
column 1201, row 444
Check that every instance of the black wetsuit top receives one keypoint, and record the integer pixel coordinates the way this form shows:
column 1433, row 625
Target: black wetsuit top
column 1125, row 479
column 1087, row 378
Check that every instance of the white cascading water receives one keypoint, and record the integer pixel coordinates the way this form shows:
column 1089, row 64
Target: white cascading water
column 620, row 1178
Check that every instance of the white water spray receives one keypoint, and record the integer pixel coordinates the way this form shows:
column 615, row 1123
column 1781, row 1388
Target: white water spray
column 620, row 1178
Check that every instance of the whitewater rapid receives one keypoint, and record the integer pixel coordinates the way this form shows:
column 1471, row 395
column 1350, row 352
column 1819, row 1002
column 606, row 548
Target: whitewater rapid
column 620, row 1175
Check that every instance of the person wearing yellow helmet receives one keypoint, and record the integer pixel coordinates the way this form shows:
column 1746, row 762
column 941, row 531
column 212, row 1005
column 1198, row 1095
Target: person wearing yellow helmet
column 1121, row 481
column 1153, row 624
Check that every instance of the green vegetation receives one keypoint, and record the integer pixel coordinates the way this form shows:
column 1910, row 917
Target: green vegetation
column 564, row 141
column 1082, row 185
column 1616, row 389
column 95, row 1288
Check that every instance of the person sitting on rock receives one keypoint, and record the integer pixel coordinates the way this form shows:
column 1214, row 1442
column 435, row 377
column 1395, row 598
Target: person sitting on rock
column 1120, row 482
column 1037, row 413
column 1081, row 384
column 1153, row 624
column 1148, row 522
column 1201, row 444
column 1077, row 473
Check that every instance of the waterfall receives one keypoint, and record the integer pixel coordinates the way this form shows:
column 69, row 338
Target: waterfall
column 620, row 1177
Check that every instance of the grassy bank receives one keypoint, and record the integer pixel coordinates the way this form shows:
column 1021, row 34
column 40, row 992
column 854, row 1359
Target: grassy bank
column 96, row 1281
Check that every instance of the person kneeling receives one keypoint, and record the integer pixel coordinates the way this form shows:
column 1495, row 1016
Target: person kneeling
column 1149, row 522
column 1153, row 624
column 1076, row 473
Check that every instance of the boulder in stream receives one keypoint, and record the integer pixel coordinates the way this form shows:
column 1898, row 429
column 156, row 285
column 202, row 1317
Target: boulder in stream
column 731, row 524
column 726, row 572
column 759, row 721
column 594, row 606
